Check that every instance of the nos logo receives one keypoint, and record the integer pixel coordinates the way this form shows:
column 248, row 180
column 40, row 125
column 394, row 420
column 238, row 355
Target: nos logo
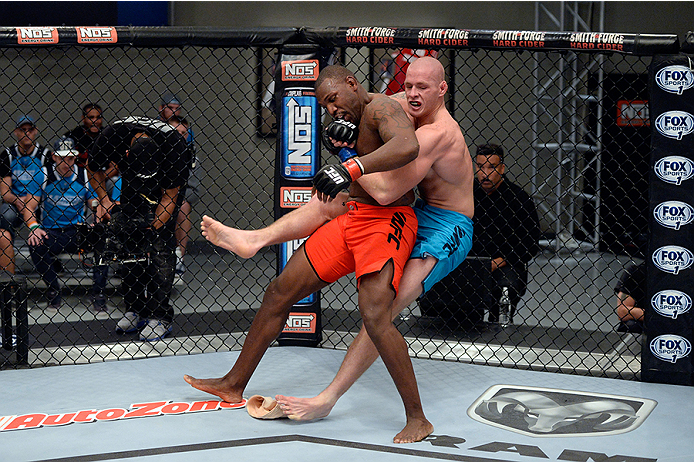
column 675, row 79
column 672, row 258
column 671, row 303
column 670, row 347
column 674, row 169
column 673, row 214
column 674, row 124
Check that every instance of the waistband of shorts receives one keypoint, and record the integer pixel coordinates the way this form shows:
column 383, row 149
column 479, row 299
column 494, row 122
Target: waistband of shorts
column 354, row 205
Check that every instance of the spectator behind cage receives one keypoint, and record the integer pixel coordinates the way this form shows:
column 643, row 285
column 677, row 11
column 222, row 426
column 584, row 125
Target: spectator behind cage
column 191, row 197
column 84, row 136
column 85, row 133
column 631, row 298
column 65, row 192
column 506, row 229
column 19, row 166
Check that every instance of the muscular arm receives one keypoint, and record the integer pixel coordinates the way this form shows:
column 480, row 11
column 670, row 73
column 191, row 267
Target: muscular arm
column 400, row 146
column 387, row 187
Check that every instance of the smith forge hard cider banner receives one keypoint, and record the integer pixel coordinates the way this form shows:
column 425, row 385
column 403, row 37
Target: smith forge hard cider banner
column 667, row 350
column 297, row 161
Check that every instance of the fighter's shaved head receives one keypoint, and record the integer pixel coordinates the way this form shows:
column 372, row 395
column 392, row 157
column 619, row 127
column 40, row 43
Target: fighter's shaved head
column 430, row 66
column 335, row 72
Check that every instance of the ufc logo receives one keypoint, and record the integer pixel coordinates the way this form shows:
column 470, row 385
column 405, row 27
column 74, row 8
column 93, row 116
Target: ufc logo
column 397, row 222
column 334, row 175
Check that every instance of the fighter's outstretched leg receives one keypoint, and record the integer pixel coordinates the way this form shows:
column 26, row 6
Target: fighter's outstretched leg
column 361, row 353
column 298, row 280
column 244, row 243
column 297, row 224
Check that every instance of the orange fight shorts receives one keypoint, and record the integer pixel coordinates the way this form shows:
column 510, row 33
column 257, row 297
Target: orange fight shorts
column 362, row 241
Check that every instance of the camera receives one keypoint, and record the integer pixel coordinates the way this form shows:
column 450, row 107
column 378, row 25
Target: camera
column 117, row 241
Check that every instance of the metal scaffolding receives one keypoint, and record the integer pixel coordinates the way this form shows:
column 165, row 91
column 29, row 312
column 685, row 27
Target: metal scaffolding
column 567, row 146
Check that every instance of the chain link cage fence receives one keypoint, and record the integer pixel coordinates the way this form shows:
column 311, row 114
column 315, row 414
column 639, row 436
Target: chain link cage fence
column 572, row 123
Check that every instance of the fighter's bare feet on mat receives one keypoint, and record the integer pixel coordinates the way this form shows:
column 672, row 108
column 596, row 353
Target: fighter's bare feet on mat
column 304, row 408
column 215, row 387
column 415, row 430
column 238, row 241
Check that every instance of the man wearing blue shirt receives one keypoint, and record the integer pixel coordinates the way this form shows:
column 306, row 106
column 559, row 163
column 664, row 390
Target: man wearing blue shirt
column 19, row 165
column 65, row 190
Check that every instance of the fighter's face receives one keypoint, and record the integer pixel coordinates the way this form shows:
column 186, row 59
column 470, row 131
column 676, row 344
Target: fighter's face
column 490, row 172
column 422, row 90
column 340, row 99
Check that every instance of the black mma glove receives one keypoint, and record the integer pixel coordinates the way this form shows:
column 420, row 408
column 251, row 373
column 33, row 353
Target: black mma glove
column 340, row 130
column 333, row 178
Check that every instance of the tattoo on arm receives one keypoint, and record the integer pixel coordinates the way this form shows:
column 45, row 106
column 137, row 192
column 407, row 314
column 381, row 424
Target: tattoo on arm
column 390, row 117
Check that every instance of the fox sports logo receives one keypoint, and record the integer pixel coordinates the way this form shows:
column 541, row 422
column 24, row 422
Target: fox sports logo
column 675, row 124
column 671, row 303
column 672, row 259
column 675, row 79
column 673, row 214
column 674, row 169
column 670, row 347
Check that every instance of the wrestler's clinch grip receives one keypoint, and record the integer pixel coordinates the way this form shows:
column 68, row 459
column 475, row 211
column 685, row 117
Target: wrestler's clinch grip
column 340, row 130
column 331, row 179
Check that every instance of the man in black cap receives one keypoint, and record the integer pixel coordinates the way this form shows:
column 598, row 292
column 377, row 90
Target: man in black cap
column 154, row 162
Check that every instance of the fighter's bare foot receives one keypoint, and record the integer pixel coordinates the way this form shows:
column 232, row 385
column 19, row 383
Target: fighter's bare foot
column 215, row 387
column 238, row 241
column 304, row 408
column 415, row 430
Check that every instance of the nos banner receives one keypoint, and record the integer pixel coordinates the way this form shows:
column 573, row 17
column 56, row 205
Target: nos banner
column 297, row 161
column 666, row 352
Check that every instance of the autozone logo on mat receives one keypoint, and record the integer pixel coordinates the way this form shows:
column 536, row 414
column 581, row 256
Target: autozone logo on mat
column 300, row 70
column 156, row 408
column 32, row 35
column 675, row 79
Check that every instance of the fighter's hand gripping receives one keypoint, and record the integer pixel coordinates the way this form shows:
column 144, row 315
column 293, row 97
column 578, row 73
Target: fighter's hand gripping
column 332, row 179
column 341, row 131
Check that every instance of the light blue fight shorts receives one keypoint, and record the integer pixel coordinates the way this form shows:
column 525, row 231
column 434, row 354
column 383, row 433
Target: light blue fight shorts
column 444, row 235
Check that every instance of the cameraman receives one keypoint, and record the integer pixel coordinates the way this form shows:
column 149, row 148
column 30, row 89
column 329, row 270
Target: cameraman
column 154, row 163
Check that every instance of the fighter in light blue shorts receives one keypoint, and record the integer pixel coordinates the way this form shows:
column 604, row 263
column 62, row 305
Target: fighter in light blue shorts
column 444, row 235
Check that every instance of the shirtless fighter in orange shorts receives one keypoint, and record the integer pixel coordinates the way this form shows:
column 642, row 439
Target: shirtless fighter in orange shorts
column 372, row 240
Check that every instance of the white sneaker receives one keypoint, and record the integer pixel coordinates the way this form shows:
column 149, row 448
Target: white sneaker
column 155, row 330
column 130, row 322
